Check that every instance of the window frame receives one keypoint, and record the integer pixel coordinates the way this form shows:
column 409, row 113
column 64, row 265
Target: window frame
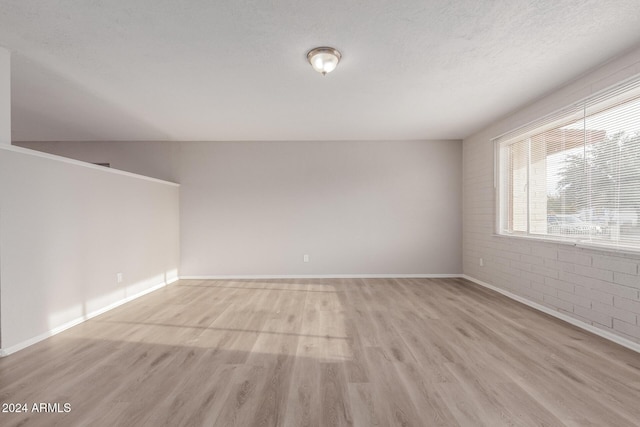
column 623, row 91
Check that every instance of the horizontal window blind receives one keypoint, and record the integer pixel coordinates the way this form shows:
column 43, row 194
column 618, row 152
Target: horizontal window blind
column 575, row 174
column 551, row 121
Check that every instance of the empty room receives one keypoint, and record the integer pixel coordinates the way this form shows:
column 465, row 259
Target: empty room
column 320, row 213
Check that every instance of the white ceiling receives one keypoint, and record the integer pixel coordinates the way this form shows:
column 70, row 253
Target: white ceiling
column 236, row 70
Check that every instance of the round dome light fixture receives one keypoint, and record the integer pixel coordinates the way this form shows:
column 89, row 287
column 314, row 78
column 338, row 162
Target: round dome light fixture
column 324, row 59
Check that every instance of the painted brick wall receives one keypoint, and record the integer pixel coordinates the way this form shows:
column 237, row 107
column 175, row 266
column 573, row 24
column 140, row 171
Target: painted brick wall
column 600, row 288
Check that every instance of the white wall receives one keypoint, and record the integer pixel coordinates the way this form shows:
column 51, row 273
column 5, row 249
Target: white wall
column 5, row 96
column 66, row 229
column 600, row 289
column 255, row 208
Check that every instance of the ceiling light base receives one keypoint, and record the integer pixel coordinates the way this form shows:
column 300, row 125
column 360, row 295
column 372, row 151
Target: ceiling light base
column 324, row 59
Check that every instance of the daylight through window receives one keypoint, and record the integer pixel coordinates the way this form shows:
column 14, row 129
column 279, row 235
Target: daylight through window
column 575, row 174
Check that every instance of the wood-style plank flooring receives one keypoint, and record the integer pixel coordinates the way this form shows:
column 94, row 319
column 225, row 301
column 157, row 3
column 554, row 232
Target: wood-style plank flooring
column 340, row 352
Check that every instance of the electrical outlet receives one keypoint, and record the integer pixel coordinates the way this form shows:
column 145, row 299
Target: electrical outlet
column 481, row 262
column 305, row 258
column 118, row 277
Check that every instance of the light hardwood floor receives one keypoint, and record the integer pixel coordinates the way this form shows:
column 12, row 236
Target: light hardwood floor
column 363, row 352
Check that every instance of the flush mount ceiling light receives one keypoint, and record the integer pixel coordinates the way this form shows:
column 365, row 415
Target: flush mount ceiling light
column 324, row 59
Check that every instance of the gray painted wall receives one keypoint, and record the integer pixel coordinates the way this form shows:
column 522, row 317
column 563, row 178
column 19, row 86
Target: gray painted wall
column 354, row 207
column 255, row 208
column 5, row 96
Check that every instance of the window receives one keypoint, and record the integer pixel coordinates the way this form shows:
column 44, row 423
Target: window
column 575, row 174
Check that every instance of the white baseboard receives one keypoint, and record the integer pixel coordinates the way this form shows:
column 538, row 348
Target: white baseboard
column 575, row 322
column 17, row 347
column 322, row 276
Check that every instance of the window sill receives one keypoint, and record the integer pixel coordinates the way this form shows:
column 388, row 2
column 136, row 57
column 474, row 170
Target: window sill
column 618, row 250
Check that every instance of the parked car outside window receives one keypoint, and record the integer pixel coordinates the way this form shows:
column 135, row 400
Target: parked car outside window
column 570, row 225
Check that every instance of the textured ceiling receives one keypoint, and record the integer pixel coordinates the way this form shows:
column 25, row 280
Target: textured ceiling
column 236, row 70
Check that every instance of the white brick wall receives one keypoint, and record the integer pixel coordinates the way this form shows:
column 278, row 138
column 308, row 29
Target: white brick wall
column 597, row 287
